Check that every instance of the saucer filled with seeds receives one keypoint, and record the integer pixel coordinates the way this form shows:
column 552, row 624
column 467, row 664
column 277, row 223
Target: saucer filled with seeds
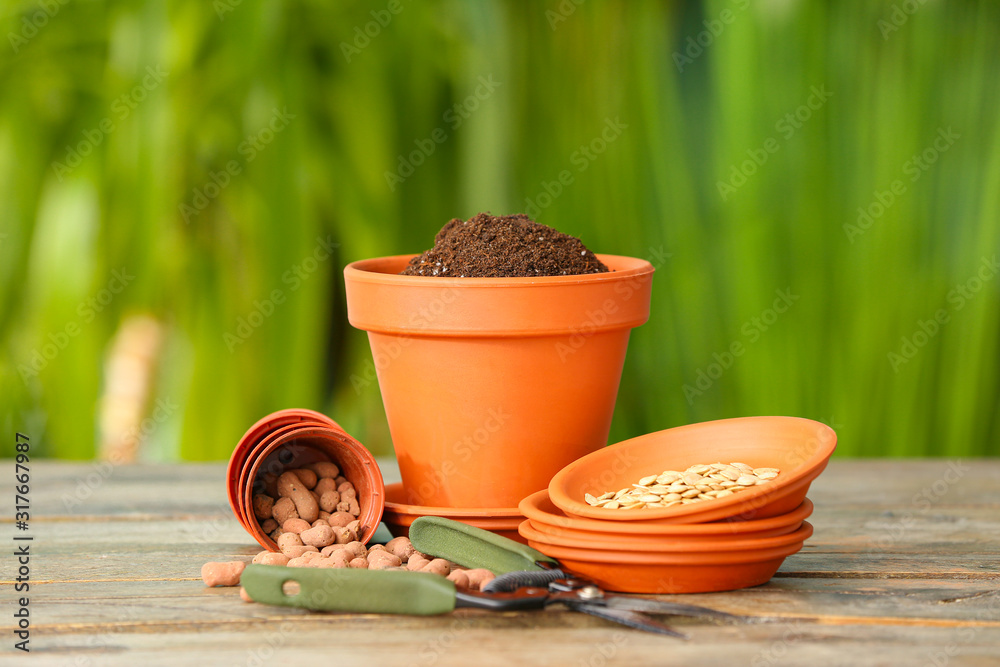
column 729, row 469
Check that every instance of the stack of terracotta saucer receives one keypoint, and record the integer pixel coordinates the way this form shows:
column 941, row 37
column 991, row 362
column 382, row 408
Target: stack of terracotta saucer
column 707, row 545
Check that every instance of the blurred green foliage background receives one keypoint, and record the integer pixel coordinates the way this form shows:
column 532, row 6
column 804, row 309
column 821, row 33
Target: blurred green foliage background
column 228, row 158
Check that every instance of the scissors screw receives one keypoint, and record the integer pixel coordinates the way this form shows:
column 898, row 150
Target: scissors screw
column 589, row 593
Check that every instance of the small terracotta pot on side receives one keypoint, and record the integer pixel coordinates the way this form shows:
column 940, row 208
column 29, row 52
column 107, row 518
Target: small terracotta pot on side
column 491, row 385
column 292, row 438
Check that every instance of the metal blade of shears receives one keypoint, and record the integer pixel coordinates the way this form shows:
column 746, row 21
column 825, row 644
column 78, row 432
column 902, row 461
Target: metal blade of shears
column 648, row 606
column 624, row 617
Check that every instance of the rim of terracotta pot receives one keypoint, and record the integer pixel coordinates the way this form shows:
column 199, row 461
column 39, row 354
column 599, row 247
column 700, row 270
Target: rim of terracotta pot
column 253, row 436
column 395, row 491
column 380, row 300
column 508, row 523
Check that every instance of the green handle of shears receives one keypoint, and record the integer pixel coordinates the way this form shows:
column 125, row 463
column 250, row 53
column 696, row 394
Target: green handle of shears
column 351, row 590
column 473, row 547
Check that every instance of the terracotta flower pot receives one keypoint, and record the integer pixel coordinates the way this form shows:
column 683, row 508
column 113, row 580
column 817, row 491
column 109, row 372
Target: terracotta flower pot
column 288, row 439
column 492, row 385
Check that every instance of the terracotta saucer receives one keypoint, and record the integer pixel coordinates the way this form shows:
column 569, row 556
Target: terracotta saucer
column 398, row 515
column 548, row 518
column 660, row 544
column 799, row 448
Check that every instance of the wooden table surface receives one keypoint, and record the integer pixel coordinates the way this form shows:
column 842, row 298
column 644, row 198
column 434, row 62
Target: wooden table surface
column 902, row 569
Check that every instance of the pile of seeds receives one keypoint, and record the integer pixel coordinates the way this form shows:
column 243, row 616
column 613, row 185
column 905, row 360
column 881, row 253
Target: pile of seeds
column 508, row 246
column 699, row 482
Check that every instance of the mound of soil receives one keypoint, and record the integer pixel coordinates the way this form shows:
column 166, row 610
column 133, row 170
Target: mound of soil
column 509, row 246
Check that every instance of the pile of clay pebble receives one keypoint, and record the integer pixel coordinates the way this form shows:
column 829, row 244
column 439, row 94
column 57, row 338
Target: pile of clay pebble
column 310, row 506
column 314, row 523
column 397, row 554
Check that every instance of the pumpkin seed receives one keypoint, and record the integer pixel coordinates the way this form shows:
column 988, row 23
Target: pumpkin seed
column 691, row 478
column 671, row 487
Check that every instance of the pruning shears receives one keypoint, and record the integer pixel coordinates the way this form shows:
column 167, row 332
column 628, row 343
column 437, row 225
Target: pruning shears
column 526, row 579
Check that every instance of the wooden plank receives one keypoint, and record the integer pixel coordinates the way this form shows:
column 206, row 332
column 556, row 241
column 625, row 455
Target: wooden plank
column 104, row 605
column 157, row 564
column 955, row 531
column 544, row 639
column 74, row 490
column 845, row 545
column 62, row 489
column 908, row 484
column 818, row 564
